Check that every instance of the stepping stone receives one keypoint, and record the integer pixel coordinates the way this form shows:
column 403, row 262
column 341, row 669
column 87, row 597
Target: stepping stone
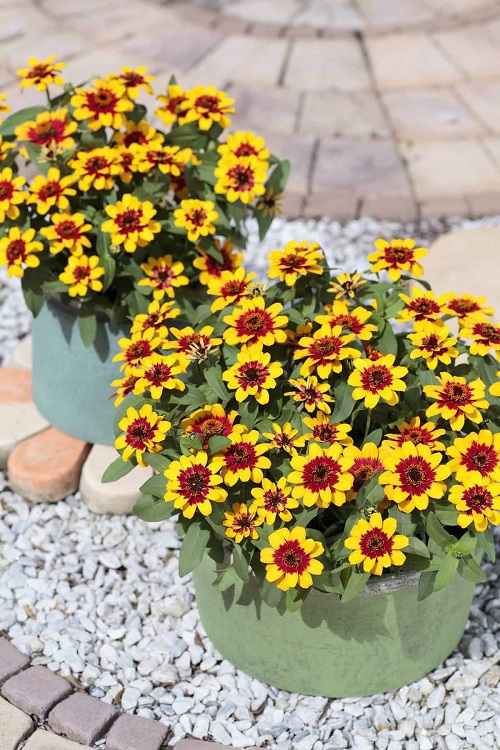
column 19, row 417
column 22, row 354
column 43, row 740
column 14, row 726
column 47, row 467
column 135, row 733
column 82, row 718
column 200, row 745
column 36, row 690
column 110, row 497
column 12, row 661
column 466, row 261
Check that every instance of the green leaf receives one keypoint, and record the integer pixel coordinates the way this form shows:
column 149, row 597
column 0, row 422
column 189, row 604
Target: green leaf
column 355, row 585
column 465, row 545
column 87, row 323
column 437, row 533
column 33, row 152
column 344, row 402
column 486, row 542
column 10, row 124
column 240, row 563
column 151, row 509
column 154, row 486
column 446, row 572
column 469, row 569
column 55, row 286
column 447, row 514
column 213, row 376
column 294, row 599
column 416, row 547
column 426, row 584
column 405, row 524
column 157, row 461
column 374, row 437
column 118, row 469
column 270, row 593
column 218, row 443
column 193, row 548
column 226, row 578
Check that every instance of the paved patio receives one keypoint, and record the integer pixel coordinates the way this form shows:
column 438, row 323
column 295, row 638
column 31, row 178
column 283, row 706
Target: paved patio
column 388, row 108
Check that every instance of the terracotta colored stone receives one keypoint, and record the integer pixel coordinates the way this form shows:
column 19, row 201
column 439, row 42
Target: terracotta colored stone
column 12, row 660
column 82, row 718
column 43, row 740
column 46, row 468
column 135, row 733
column 466, row 261
column 111, row 497
column 15, row 726
column 15, row 386
column 17, row 423
column 36, row 690
column 21, row 355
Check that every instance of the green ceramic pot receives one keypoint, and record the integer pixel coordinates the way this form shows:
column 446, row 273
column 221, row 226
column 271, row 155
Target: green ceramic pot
column 71, row 384
column 378, row 642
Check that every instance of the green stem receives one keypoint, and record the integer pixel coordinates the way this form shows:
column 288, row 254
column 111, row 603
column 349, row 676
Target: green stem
column 368, row 425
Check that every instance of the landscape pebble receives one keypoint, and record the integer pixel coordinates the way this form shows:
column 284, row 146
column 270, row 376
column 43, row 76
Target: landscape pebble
column 98, row 599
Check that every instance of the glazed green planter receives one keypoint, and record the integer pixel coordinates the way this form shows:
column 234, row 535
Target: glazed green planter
column 71, row 384
column 378, row 642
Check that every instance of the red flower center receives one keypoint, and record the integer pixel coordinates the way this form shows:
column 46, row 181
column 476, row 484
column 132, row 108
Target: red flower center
column 488, row 332
column 282, row 440
column 96, row 164
column 375, row 543
column 254, row 323
column 291, row 558
column 274, row 501
column 243, row 177
column 45, row 132
column 39, row 72
column 456, row 394
column 51, row 189
column 320, row 473
column 210, row 103
column 252, row 373
column 481, row 457
column 175, row 103
column 244, row 522
column 362, row 469
column 158, row 373
column 138, row 350
column 463, row 306
column 163, row 276
column 134, row 137
column 132, row 79
column 376, row 378
column 101, row 101
column 477, row 499
column 240, row 455
column 80, row 273
column 213, row 426
column 128, row 385
column 139, row 433
column 16, row 250
column 424, row 307
column 416, row 475
column 67, row 230
column 325, row 433
column 194, row 483
column 6, row 191
column 311, row 395
column 233, row 289
column 160, row 157
column 292, row 262
column 245, row 149
column 129, row 221
column 327, row 346
column 397, row 255
column 416, row 435
column 197, row 217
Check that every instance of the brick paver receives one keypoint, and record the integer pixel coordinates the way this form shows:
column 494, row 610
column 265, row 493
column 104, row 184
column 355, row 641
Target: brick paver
column 15, row 386
column 43, row 740
column 134, row 733
column 12, row 660
column 421, row 75
column 15, row 726
column 36, row 690
column 82, row 718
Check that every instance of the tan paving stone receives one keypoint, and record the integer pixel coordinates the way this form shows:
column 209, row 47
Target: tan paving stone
column 292, row 205
column 265, row 107
column 110, row 497
column 327, row 16
column 52, row 41
column 439, row 208
column 384, row 14
column 95, row 64
column 244, row 59
column 119, row 21
column 394, row 207
column 359, row 170
column 64, row 8
column 21, row 355
column 43, row 740
column 466, row 261
column 15, row 726
column 46, row 468
column 327, row 64
column 299, row 150
column 340, row 207
column 430, row 113
column 338, row 113
column 473, row 50
column 483, row 204
column 279, row 13
column 449, row 168
column 179, row 44
column 483, row 98
column 82, row 718
column 409, row 61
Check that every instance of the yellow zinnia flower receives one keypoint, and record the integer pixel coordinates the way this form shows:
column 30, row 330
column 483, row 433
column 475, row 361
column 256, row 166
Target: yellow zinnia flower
column 423, row 306
column 321, row 477
column 296, row 260
column 49, row 129
column 464, row 305
column 353, row 320
column 285, row 438
column 124, row 386
column 485, row 335
column 51, row 191
column 193, row 484
column 478, row 502
column 155, row 318
column 4, row 108
column 140, row 133
column 290, row 560
column 82, row 274
column 196, row 217
column 156, row 372
column 96, row 168
column 455, row 400
column 208, row 422
column 134, row 80
column 413, row 475
column 67, row 232
column 172, row 103
column 418, row 434
column 229, row 288
column 346, row 285
column 243, row 459
column 240, row 179
column 18, row 248
column 253, row 374
column 103, row 106
column 377, row 380
column 311, row 393
column 210, row 268
column 135, row 349
column 365, row 462
column 206, row 106
column 375, row 544
column 252, row 323
column 41, row 74
column 242, row 144
column 241, row 523
column 433, row 343
column 167, row 159
column 325, row 351
column 396, row 257
column 143, row 431
column 272, row 500
column 163, row 275
column 323, row 431
column 131, row 223
column 191, row 345
column 477, row 456
column 10, row 194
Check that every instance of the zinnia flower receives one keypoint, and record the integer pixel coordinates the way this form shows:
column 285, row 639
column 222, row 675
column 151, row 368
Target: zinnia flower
column 96, row 168
column 212, row 268
column 191, row 345
column 433, row 343
column 229, row 288
column 163, row 275
column 10, row 194
column 376, row 545
column 365, row 462
column 193, row 484
column 455, row 400
column 155, row 318
column 18, row 249
column 253, row 323
column 325, row 351
column 423, row 306
column 377, row 380
column 418, row 434
column 396, row 257
column 131, row 223
column 171, row 104
column 51, row 191
column 485, row 335
column 208, row 422
column 354, row 320
column 272, row 500
column 285, row 438
column 477, row 502
column 321, row 477
column 296, row 260
column 41, row 73
column 241, row 144
column 243, row 459
column 67, row 232
column 323, row 431
column 49, row 129
column 253, row 374
column 413, row 476
column 241, row 523
column 133, row 350
column 206, row 106
column 143, row 431
column 134, row 80
column 124, row 386
column 196, row 217
column 167, row 159
column 82, row 274
column 291, row 558
column 346, row 285
column 477, row 456
column 157, row 372
column 464, row 305
column 240, row 179
column 313, row 394
column 103, row 106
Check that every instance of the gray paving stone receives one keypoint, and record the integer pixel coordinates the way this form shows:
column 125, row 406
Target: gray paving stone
column 82, row 718
column 12, row 661
column 14, row 726
column 134, row 733
column 200, row 745
column 36, row 690
column 43, row 740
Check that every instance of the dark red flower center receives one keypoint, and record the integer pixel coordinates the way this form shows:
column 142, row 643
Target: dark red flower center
column 292, row 262
column 328, row 346
column 397, row 255
column 481, row 457
column 244, row 177
column 244, row 522
column 139, row 433
column 157, row 374
column 240, row 455
column 416, row 475
column 175, row 104
column 129, row 221
column 163, row 276
column 245, row 149
column 210, row 103
column 80, row 273
column 213, row 426
column 197, row 217
column 194, row 483
column 424, row 307
column 68, row 230
column 252, row 373
column 134, row 137
column 463, row 306
column 138, row 350
column 477, row 499
column 45, row 132
column 233, row 288
column 325, row 433
column 101, row 101
column 274, row 501
column 40, row 71
column 416, row 435
column 376, row 378
column 320, row 472
column 51, row 189
column 291, row 558
column 254, row 323
column 6, row 191
column 375, row 543
column 364, row 468
column 457, row 394
column 16, row 250
column 96, row 164
column 488, row 332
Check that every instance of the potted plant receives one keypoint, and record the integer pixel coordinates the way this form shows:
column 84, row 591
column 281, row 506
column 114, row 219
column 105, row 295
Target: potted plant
column 122, row 216
column 334, row 475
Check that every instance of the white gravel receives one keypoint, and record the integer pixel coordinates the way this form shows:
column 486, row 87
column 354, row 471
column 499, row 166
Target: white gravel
column 98, row 599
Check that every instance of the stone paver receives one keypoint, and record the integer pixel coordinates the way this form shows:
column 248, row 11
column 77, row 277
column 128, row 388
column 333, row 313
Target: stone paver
column 47, row 467
column 423, row 75
column 12, row 660
column 135, row 733
column 111, row 497
column 43, row 740
column 36, row 690
column 22, row 355
column 466, row 261
column 15, row 386
column 200, row 745
column 15, row 726
column 82, row 718
column 18, row 422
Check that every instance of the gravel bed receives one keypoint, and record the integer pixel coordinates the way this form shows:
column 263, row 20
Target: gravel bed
column 98, row 599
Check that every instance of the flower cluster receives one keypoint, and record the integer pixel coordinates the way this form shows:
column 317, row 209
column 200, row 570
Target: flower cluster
column 113, row 192
column 322, row 429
